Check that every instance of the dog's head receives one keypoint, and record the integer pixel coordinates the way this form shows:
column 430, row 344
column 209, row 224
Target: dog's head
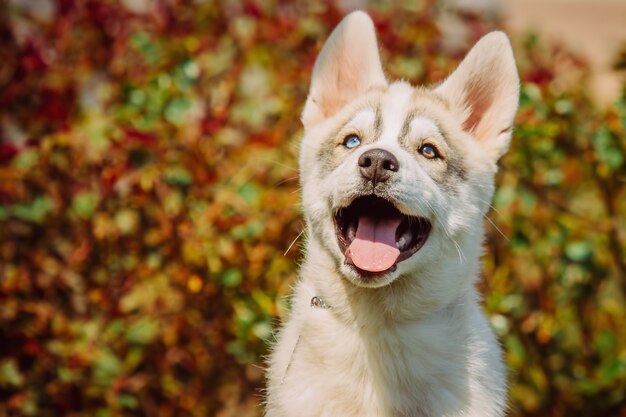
column 396, row 178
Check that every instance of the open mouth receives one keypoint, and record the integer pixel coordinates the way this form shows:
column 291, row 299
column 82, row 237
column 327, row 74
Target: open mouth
column 374, row 235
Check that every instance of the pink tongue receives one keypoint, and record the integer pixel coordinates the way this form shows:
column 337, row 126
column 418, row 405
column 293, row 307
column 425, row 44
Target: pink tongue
column 374, row 247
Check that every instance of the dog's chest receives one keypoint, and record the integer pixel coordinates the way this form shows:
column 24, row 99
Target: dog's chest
column 383, row 371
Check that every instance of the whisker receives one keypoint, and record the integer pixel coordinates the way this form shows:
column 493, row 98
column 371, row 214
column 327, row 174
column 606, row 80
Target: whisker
column 286, row 180
column 462, row 257
column 293, row 243
column 491, row 221
column 491, row 206
column 277, row 163
column 497, row 228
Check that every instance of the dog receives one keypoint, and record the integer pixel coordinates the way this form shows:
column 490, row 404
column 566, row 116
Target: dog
column 385, row 317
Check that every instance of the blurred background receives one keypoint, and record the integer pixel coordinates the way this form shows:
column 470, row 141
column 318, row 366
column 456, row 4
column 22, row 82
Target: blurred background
column 149, row 207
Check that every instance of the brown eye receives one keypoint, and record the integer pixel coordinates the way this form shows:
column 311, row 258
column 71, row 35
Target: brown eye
column 429, row 151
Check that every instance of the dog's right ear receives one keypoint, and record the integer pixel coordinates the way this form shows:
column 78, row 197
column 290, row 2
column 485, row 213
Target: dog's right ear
column 348, row 65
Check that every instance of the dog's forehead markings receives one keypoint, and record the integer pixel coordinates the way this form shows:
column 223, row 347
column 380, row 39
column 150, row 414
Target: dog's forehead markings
column 395, row 103
column 423, row 127
column 418, row 126
column 397, row 100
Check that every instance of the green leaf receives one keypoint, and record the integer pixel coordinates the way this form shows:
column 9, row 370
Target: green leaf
column 191, row 69
column 499, row 324
column 178, row 175
column 504, row 196
column 607, row 151
column 26, row 159
column 605, row 342
column 176, row 110
column 151, row 50
column 578, row 251
column 35, row 211
column 262, row 330
column 516, row 352
column 10, row 374
column 107, row 367
column 250, row 193
column 125, row 400
column 127, row 220
column 68, row 375
column 231, row 278
column 246, row 231
column 85, row 203
column 564, row 106
column 612, row 371
column 529, row 93
column 103, row 412
column 143, row 331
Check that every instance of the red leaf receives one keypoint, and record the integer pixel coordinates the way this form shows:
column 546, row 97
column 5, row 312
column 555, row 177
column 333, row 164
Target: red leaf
column 7, row 151
column 138, row 136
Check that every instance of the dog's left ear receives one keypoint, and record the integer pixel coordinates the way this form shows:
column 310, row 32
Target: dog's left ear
column 348, row 65
column 484, row 90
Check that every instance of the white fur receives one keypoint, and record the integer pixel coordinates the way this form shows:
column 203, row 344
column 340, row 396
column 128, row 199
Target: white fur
column 414, row 342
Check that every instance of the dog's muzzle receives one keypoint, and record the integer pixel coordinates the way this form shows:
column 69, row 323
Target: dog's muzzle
column 374, row 235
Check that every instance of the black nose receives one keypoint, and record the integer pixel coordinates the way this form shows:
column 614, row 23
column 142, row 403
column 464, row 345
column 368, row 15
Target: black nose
column 377, row 165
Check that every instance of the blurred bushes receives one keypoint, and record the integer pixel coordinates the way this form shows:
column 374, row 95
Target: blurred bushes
column 148, row 203
column 557, row 278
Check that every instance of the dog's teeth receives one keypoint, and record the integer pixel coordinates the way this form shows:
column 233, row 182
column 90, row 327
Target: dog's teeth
column 351, row 232
column 405, row 240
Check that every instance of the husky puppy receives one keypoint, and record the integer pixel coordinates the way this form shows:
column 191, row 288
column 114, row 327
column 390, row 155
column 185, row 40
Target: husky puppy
column 396, row 181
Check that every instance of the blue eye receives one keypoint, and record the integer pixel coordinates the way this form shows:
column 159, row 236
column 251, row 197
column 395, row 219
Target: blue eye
column 351, row 141
column 429, row 152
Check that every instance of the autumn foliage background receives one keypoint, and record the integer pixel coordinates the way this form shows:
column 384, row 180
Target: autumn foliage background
column 149, row 202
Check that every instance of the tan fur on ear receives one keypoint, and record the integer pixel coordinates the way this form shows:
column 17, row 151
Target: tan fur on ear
column 484, row 90
column 348, row 65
